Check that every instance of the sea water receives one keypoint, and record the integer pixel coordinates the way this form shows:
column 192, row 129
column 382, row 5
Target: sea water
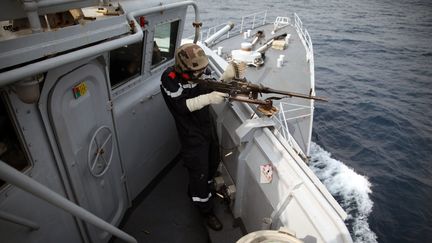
column 373, row 139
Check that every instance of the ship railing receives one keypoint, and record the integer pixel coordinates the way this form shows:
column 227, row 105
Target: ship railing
column 253, row 20
column 248, row 22
column 205, row 34
column 304, row 36
column 13, row 75
column 286, row 114
column 30, row 185
column 281, row 22
column 307, row 42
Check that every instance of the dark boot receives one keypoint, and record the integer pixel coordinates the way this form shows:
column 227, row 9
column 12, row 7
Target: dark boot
column 213, row 222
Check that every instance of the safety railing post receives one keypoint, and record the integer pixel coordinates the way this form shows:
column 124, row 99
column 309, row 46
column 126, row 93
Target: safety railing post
column 253, row 22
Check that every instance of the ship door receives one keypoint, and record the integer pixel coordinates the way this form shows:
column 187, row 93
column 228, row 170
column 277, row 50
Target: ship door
column 81, row 118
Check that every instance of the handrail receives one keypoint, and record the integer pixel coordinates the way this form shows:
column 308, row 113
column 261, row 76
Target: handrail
column 238, row 28
column 254, row 16
column 282, row 121
column 13, row 75
column 304, row 36
column 18, row 179
column 307, row 42
column 19, row 220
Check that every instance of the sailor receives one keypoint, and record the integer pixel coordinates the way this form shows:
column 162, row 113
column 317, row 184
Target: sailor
column 188, row 103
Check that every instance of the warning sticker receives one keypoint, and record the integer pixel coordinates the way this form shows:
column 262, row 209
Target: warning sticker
column 266, row 173
column 79, row 90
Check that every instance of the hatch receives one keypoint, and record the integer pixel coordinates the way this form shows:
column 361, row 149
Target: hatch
column 81, row 117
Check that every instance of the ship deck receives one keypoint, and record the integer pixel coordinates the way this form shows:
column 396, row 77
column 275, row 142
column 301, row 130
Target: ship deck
column 164, row 213
column 295, row 74
column 295, row 62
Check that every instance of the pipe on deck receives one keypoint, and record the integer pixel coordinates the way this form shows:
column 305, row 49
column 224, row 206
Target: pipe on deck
column 218, row 34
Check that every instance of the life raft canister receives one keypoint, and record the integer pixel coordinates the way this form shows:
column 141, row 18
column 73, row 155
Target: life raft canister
column 283, row 235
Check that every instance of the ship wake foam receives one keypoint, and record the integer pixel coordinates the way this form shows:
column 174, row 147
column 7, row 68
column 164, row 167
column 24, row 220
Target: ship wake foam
column 350, row 189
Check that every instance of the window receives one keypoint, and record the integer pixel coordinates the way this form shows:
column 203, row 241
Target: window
column 125, row 63
column 164, row 43
column 11, row 149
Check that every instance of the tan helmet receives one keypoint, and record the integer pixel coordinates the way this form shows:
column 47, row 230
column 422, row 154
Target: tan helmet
column 191, row 58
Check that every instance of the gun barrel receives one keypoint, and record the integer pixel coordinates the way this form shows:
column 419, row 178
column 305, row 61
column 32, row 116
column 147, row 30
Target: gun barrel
column 246, row 88
column 293, row 94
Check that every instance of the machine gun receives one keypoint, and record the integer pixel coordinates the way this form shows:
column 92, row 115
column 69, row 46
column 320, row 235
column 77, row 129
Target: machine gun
column 244, row 91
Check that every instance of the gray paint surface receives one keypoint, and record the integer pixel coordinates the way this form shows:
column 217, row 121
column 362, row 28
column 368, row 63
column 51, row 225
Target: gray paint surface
column 294, row 76
column 70, row 116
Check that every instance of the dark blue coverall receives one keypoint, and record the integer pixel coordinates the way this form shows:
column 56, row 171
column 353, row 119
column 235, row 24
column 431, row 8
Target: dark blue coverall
column 199, row 142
